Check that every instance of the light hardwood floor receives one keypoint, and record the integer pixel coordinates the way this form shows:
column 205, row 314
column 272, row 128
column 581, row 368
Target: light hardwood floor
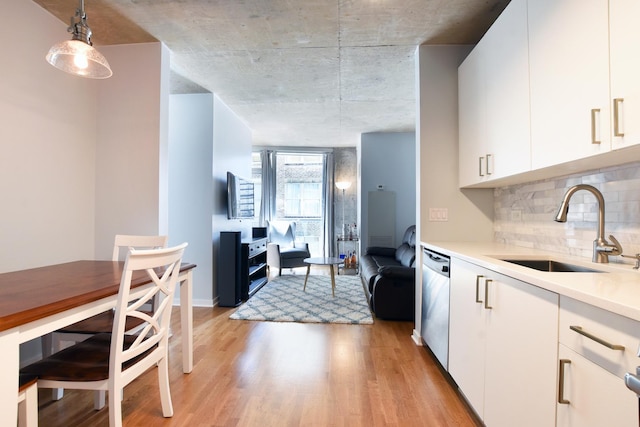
column 284, row 374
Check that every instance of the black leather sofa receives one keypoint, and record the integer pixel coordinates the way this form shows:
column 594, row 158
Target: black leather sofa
column 389, row 278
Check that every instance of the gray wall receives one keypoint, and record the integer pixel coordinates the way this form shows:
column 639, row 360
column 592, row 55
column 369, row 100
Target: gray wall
column 232, row 146
column 470, row 212
column 207, row 139
column 190, row 182
column 388, row 159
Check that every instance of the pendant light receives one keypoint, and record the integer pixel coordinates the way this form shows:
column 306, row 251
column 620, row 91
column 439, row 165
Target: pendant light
column 78, row 56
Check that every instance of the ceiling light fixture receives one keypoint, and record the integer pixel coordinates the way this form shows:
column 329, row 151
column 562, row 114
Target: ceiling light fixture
column 78, row 56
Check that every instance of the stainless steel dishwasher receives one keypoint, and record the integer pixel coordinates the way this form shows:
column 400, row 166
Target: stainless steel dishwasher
column 435, row 304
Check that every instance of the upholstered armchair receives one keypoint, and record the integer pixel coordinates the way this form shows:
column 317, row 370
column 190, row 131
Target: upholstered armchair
column 282, row 249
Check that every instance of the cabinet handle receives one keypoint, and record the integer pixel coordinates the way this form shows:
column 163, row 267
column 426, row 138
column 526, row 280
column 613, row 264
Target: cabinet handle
column 617, row 103
column 595, row 129
column 480, row 166
column 486, row 294
column 561, row 398
column 607, row 344
column 489, row 171
column 478, row 300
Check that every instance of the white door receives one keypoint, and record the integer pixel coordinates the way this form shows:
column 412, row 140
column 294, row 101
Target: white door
column 471, row 120
column 625, row 70
column 569, row 72
column 467, row 332
column 596, row 397
column 521, row 354
column 506, row 60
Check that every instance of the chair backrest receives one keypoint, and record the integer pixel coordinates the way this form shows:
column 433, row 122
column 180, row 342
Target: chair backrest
column 161, row 268
column 123, row 241
column 282, row 233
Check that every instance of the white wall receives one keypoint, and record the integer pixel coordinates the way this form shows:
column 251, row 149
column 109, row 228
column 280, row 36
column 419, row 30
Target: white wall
column 131, row 164
column 190, row 182
column 47, row 142
column 387, row 159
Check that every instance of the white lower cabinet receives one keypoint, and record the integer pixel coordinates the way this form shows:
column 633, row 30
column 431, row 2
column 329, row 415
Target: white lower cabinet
column 503, row 346
column 596, row 349
column 593, row 397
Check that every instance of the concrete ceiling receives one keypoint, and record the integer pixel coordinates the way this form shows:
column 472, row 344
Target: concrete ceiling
column 298, row 72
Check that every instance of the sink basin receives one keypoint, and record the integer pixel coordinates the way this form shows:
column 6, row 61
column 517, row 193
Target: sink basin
column 551, row 266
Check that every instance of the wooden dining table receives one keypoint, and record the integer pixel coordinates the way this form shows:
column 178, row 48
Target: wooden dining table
column 38, row 301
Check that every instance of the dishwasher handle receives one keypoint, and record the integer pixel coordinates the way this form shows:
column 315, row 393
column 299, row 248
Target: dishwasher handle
column 436, row 262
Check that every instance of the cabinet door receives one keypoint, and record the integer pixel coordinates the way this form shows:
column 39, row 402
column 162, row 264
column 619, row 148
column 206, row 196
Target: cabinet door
column 471, row 119
column 506, row 62
column 597, row 398
column 467, row 332
column 521, row 354
column 569, row 73
column 494, row 131
column 624, row 34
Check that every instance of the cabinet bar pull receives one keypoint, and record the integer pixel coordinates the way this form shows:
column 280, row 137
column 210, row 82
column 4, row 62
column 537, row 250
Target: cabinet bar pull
column 617, row 102
column 607, row 344
column 561, row 398
column 486, row 294
column 480, row 166
column 478, row 300
column 488, row 159
column 595, row 131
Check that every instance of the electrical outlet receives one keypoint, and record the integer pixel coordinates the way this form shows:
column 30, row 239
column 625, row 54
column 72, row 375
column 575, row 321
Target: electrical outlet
column 438, row 214
column 516, row 215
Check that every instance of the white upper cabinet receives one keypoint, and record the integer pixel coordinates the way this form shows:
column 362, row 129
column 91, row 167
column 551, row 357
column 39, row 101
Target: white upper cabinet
column 472, row 119
column 569, row 78
column 494, row 101
column 624, row 33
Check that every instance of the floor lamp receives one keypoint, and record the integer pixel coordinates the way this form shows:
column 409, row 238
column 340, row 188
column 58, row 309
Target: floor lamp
column 343, row 185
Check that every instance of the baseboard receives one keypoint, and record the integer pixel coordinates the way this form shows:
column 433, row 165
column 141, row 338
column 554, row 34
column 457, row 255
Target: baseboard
column 416, row 338
column 199, row 302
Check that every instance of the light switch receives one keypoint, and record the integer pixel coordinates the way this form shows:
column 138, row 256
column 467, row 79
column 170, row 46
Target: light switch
column 438, row 214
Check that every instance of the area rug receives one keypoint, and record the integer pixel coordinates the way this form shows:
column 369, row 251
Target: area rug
column 283, row 300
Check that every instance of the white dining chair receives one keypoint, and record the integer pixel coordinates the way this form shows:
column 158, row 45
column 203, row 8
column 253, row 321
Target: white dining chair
column 109, row 362
column 103, row 322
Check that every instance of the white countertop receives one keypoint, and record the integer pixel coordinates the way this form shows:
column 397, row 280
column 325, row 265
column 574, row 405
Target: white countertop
column 616, row 288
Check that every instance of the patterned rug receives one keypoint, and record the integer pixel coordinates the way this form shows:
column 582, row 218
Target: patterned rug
column 282, row 300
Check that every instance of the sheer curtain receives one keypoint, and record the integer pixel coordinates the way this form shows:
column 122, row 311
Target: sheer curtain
column 267, row 207
column 327, row 204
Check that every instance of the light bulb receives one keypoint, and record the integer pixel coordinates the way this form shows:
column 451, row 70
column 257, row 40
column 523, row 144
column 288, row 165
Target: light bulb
column 80, row 60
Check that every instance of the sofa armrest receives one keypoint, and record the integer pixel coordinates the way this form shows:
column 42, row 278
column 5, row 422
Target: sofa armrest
column 381, row 251
column 397, row 272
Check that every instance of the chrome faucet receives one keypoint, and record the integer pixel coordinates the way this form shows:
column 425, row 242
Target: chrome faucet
column 601, row 248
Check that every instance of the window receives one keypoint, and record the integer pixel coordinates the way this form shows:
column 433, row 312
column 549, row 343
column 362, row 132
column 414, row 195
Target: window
column 297, row 192
column 303, row 199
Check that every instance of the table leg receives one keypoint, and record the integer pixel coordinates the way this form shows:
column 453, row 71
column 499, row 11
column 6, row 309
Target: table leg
column 333, row 280
column 306, row 277
column 186, row 321
column 9, row 368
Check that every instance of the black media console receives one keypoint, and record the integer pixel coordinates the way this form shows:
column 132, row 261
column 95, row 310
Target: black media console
column 242, row 266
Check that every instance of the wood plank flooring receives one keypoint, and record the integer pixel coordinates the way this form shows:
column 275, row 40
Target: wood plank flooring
column 284, row 374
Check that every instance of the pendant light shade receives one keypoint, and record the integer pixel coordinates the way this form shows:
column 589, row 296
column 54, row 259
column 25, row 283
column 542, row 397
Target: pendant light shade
column 77, row 56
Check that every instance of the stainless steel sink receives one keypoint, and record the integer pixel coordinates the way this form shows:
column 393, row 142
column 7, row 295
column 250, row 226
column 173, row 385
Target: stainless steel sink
column 551, row 265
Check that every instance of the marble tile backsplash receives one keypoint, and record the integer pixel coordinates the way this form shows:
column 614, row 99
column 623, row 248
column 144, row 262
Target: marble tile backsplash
column 524, row 213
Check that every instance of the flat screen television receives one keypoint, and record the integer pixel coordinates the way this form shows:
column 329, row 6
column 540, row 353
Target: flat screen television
column 239, row 197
